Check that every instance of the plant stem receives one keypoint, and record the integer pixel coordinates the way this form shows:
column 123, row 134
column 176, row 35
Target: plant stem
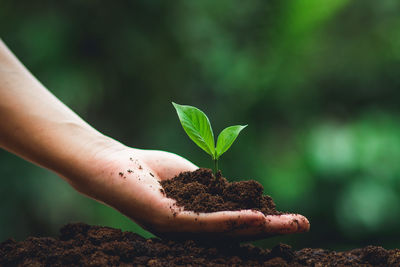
column 215, row 167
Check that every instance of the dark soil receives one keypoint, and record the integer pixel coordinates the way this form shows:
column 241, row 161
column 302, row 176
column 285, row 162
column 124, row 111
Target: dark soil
column 84, row 245
column 201, row 191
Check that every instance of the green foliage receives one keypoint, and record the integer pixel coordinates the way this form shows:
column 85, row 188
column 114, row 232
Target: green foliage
column 198, row 127
column 226, row 139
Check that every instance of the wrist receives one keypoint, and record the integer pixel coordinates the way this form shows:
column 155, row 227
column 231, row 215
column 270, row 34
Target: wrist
column 83, row 155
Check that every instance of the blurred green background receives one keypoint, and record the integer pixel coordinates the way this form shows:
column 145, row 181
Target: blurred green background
column 318, row 84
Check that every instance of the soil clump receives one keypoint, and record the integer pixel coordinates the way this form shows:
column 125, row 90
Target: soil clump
column 84, row 245
column 202, row 191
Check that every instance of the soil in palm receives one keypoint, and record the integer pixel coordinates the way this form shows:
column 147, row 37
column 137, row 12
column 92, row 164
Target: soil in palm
column 201, row 191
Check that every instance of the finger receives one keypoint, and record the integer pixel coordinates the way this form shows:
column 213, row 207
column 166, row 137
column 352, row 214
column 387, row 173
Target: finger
column 209, row 226
column 273, row 225
column 220, row 222
column 245, row 222
column 243, row 225
column 287, row 223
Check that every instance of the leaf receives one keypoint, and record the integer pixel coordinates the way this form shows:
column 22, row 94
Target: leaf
column 197, row 126
column 226, row 138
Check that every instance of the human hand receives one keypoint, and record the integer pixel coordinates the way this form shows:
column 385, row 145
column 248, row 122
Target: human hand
column 129, row 181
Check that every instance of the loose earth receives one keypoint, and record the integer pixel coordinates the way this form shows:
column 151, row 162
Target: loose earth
column 201, row 191
column 84, row 245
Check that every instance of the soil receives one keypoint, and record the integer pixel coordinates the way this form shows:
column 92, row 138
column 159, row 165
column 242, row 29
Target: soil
column 84, row 245
column 201, row 191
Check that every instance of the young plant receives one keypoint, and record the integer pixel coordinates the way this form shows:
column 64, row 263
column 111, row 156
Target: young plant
column 198, row 128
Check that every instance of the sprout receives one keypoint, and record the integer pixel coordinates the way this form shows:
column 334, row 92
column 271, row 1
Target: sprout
column 198, row 128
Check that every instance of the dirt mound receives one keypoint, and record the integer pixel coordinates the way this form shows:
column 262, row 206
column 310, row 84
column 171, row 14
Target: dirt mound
column 201, row 191
column 84, row 245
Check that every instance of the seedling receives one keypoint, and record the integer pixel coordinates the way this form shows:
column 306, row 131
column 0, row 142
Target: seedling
column 197, row 126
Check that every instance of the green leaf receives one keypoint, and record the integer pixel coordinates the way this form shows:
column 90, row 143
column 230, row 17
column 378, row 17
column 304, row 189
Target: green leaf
column 197, row 126
column 226, row 138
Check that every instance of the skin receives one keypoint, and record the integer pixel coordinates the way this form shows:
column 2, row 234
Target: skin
column 39, row 128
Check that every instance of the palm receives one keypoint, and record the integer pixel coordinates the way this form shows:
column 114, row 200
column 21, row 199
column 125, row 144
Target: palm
column 136, row 178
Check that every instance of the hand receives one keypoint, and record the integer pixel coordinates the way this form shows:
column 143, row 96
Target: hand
column 130, row 184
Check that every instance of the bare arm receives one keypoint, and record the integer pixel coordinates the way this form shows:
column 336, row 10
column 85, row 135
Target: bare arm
column 36, row 125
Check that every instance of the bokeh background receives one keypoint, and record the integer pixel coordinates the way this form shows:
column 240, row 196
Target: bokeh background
column 317, row 83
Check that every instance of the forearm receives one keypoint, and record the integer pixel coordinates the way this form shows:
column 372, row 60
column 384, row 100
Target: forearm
column 39, row 127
